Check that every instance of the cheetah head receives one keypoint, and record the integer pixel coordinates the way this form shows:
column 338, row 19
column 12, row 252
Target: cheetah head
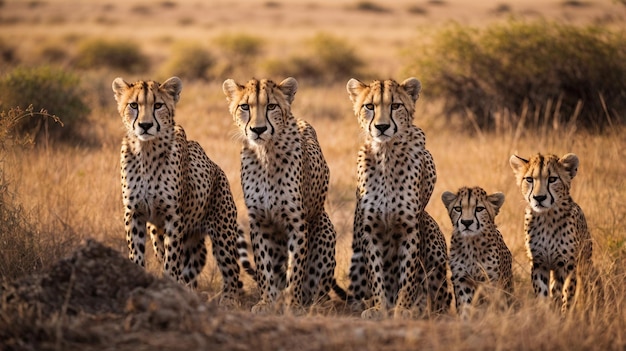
column 471, row 210
column 147, row 107
column 260, row 108
column 384, row 108
column 544, row 180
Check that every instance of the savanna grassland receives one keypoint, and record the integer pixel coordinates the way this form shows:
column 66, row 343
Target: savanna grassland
column 63, row 188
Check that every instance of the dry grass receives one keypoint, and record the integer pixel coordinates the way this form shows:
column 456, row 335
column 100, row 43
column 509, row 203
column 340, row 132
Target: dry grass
column 72, row 192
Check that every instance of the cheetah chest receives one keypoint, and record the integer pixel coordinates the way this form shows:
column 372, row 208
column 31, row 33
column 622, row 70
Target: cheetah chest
column 271, row 190
column 389, row 190
column 150, row 188
column 551, row 242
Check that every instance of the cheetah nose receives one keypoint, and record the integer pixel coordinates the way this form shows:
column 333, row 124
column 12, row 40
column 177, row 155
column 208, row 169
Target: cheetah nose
column 467, row 222
column 146, row 126
column 258, row 130
column 539, row 198
column 382, row 127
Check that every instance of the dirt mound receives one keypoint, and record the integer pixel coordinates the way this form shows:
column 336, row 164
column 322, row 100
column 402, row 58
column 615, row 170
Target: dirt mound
column 96, row 299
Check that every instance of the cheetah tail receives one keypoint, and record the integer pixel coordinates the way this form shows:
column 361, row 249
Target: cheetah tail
column 343, row 295
column 242, row 250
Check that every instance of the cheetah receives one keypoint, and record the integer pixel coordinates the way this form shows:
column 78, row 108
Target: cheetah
column 399, row 261
column 478, row 254
column 557, row 238
column 172, row 190
column 284, row 178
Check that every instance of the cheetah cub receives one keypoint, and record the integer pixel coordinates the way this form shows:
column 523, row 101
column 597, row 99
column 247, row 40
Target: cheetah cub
column 557, row 239
column 173, row 191
column 478, row 254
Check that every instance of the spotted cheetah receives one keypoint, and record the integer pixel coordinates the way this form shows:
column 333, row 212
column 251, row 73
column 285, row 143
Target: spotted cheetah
column 284, row 177
column 399, row 259
column 557, row 238
column 478, row 254
column 174, row 191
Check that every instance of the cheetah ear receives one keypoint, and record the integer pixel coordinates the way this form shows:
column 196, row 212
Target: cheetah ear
column 289, row 87
column 448, row 197
column 119, row 86
column 230, row 87
column 173, row 86
column 413, row 87
column 517, row 163
column 354, row 88
column 497, row 200
column 570, row 163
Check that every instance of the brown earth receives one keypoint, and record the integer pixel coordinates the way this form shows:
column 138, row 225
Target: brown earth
column 98, row 300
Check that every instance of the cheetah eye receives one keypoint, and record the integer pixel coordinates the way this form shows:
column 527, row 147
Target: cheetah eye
column 133, row 105
column 244, row 107
column 270, row 107
column 552, row 179
column 369, row 107
column 529, row 180
column 480, row 209
column 395, row 106
column 457, row 208
column 158, row 105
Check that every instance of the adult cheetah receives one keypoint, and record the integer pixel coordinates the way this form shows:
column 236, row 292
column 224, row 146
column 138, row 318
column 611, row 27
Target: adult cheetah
column 557, row 238
column 284, row 177
column 399, row 253
column 478, row 253
column 174, row 191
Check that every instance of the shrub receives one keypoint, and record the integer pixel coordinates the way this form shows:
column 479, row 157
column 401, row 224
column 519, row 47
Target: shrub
column 118, row 54
column 25, row 249
column 370, row 7
column 44, row 88
column 329, row 59
column 189, row 61
column 238, row 53
column 555, row 73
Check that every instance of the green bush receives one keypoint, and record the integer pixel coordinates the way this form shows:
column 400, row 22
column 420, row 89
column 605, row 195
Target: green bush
column 327, row 59
column 238, row 54
column 542, row 72
column 189, row 61
column 119, row 54
column 44, row 88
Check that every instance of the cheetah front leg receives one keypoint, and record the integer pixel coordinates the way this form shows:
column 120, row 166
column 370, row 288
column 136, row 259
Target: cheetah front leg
column 264, row 250
column 321, row 259
column 375, row 274
column 540, row 277
column 296, row 264
column 157, row 235
column 564, row 286
column 409, row 280
column 173, row 248
column 135, row 235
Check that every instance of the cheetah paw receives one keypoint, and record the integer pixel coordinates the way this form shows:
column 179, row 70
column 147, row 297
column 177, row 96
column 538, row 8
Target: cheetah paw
column 402, row 313
column 374, row 313
column 229, row 302
column 262, row 307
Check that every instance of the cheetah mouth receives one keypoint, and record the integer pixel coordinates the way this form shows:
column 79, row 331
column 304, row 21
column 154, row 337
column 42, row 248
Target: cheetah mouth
column 145, row 136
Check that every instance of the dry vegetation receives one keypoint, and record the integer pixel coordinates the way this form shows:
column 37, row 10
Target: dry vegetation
column 57, row 193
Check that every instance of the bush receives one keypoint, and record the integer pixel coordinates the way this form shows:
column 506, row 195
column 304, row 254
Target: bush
column 554, row 73
column 238, row 53
column 189, row 61
column 120, row 54
column 329, row 59
column 44, row 88
column 25, row 249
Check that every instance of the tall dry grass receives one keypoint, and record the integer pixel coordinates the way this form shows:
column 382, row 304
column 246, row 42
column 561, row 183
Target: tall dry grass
column 72, row 192
column 65, row 193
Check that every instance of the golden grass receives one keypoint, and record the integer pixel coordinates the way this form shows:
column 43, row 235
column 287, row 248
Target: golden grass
column 72, row 191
